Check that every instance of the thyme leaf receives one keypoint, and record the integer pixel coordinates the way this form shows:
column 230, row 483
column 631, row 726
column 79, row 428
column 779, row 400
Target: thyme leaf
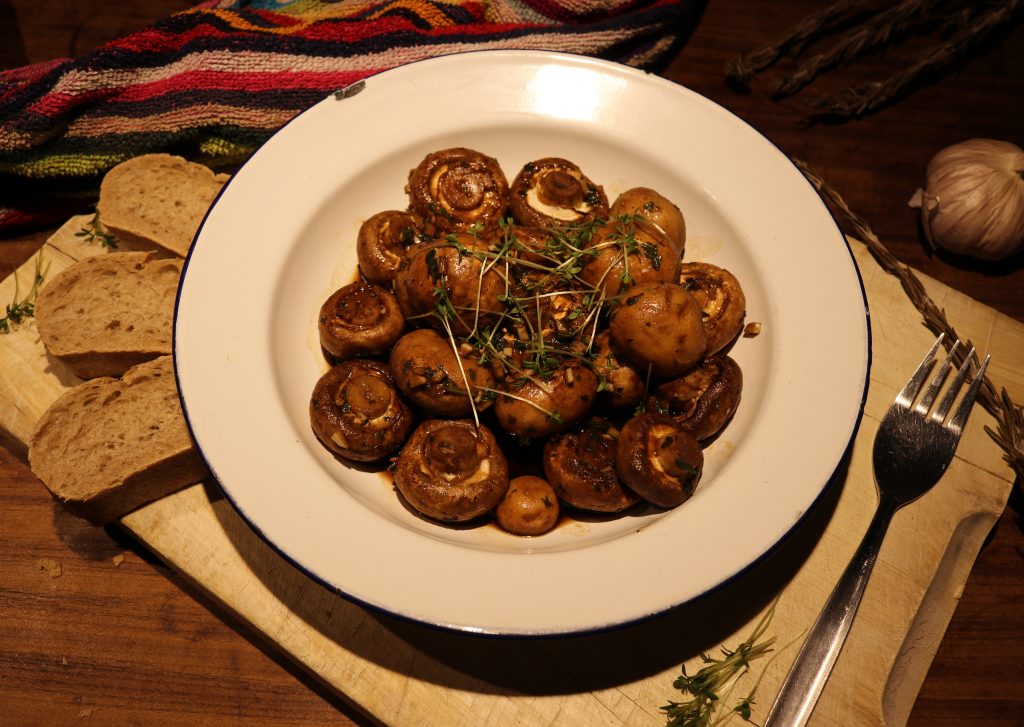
column 24, row 307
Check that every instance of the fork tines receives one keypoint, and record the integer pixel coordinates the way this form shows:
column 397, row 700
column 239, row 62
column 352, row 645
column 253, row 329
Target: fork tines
column 910, row 391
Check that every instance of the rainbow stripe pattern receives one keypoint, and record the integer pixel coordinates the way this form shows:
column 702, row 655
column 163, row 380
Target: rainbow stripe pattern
column 213, row 82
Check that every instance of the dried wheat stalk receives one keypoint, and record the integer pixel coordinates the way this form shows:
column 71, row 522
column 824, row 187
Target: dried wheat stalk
column 1009, row 416
column 876, row 32
column 868, row 97
column 741, row 70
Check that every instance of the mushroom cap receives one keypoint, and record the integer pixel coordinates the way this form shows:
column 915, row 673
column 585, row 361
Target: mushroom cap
column 580, row 465
column 720, row 297
column 554, row 193
column 359, row 319
column 430, row 374
column 451, row 470
column 659, row 326
column 458, row 189
column 658, row 459
column 357, row 413
column 656, row 209
column 383, row 240
column 529, row 507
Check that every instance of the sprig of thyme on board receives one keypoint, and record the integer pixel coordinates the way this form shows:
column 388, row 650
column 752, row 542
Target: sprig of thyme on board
column 93, row 231
column 712, row 686
column 20, row 308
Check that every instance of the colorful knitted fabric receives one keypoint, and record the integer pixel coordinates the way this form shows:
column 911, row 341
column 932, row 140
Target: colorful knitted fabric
column 212, row 83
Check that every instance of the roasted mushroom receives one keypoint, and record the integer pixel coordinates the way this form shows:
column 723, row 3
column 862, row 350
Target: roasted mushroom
column 721, row 300
column 704, row 399
column 382, row 241
column 658, row 326
column 357, row 413
column 537, row 406
column 529, row 507
column 627, row 251
column 427, row 370
column 656, row 209
column 621, row 384
column 452, row 470
column 554, row 192
column 458, row 189
column 580, row 465
column 443, row 281
column 535, row 246
column 360, row 319
column 658, row 459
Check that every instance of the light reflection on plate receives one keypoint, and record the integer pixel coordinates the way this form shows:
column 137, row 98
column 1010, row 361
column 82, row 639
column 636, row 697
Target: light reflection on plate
column 281, row 238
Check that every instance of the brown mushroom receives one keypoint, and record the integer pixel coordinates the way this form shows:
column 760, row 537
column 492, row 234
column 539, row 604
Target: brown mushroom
column 554, row 193
column 452, row 470
column 529, row 507
column 721, row 300
column 430, row 374
column 704, row 399
column 458, row 189
column 580, row 465
column 658, row 459
column 658, row 326
column 628, row 251
column 443, row 280
column 535, row 246
column 539, row 405
column 621, row 384
column 359, row 319
column 656, row 209
column 357, row 413
column 383, row 240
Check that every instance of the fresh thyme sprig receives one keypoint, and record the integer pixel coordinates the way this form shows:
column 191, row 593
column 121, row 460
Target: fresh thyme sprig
column 94, row 232
column 20, row 308
column 550, row 313
column 712, row 686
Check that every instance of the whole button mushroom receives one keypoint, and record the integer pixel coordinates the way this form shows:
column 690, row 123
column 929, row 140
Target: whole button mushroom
column 430, row 374
column 659, row 326
column 529, row 507
column 628, row 251
column 383, row 240
column 540, row 406
column 721, row 300
column 704, row 399
column 359, row 319
column 580, row 465
column 655, row 208
column 445, row 281
column 554, row 193
column 658, row 459
column 452, row 470
column 458, row 189
column 357, row 413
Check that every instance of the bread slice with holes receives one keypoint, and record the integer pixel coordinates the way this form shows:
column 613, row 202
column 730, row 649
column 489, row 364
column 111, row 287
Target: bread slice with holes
column 157, row 202
column 104, row 314
column 109, row 446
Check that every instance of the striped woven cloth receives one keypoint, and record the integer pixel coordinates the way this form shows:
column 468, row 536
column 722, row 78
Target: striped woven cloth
column 212, row 83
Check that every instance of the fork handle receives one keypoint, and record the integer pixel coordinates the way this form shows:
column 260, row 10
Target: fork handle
column 806, row 678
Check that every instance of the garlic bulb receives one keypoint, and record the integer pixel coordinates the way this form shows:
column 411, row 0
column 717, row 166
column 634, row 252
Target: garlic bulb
column 973, row 202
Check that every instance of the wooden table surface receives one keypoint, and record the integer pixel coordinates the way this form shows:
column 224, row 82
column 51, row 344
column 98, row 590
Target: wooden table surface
column 93, row 628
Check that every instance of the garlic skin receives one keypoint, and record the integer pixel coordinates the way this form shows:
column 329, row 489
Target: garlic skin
column 973, row 202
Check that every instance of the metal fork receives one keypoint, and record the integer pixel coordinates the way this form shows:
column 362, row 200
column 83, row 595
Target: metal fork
column 912, row 451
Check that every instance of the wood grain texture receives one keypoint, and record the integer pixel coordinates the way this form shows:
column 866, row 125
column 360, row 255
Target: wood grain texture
column 144, row 647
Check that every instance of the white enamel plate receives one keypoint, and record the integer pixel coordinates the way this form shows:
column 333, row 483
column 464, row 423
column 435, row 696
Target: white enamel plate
column 281, row 238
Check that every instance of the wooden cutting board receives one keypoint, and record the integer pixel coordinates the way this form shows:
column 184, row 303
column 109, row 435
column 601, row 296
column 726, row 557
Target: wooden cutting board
column 405, row 674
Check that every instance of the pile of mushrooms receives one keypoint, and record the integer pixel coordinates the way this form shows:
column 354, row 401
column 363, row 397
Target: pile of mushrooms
column 536, row 310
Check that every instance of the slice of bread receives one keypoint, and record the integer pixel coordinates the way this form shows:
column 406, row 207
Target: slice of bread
column 104, row 314
column 109, row 446
column 156, row 202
